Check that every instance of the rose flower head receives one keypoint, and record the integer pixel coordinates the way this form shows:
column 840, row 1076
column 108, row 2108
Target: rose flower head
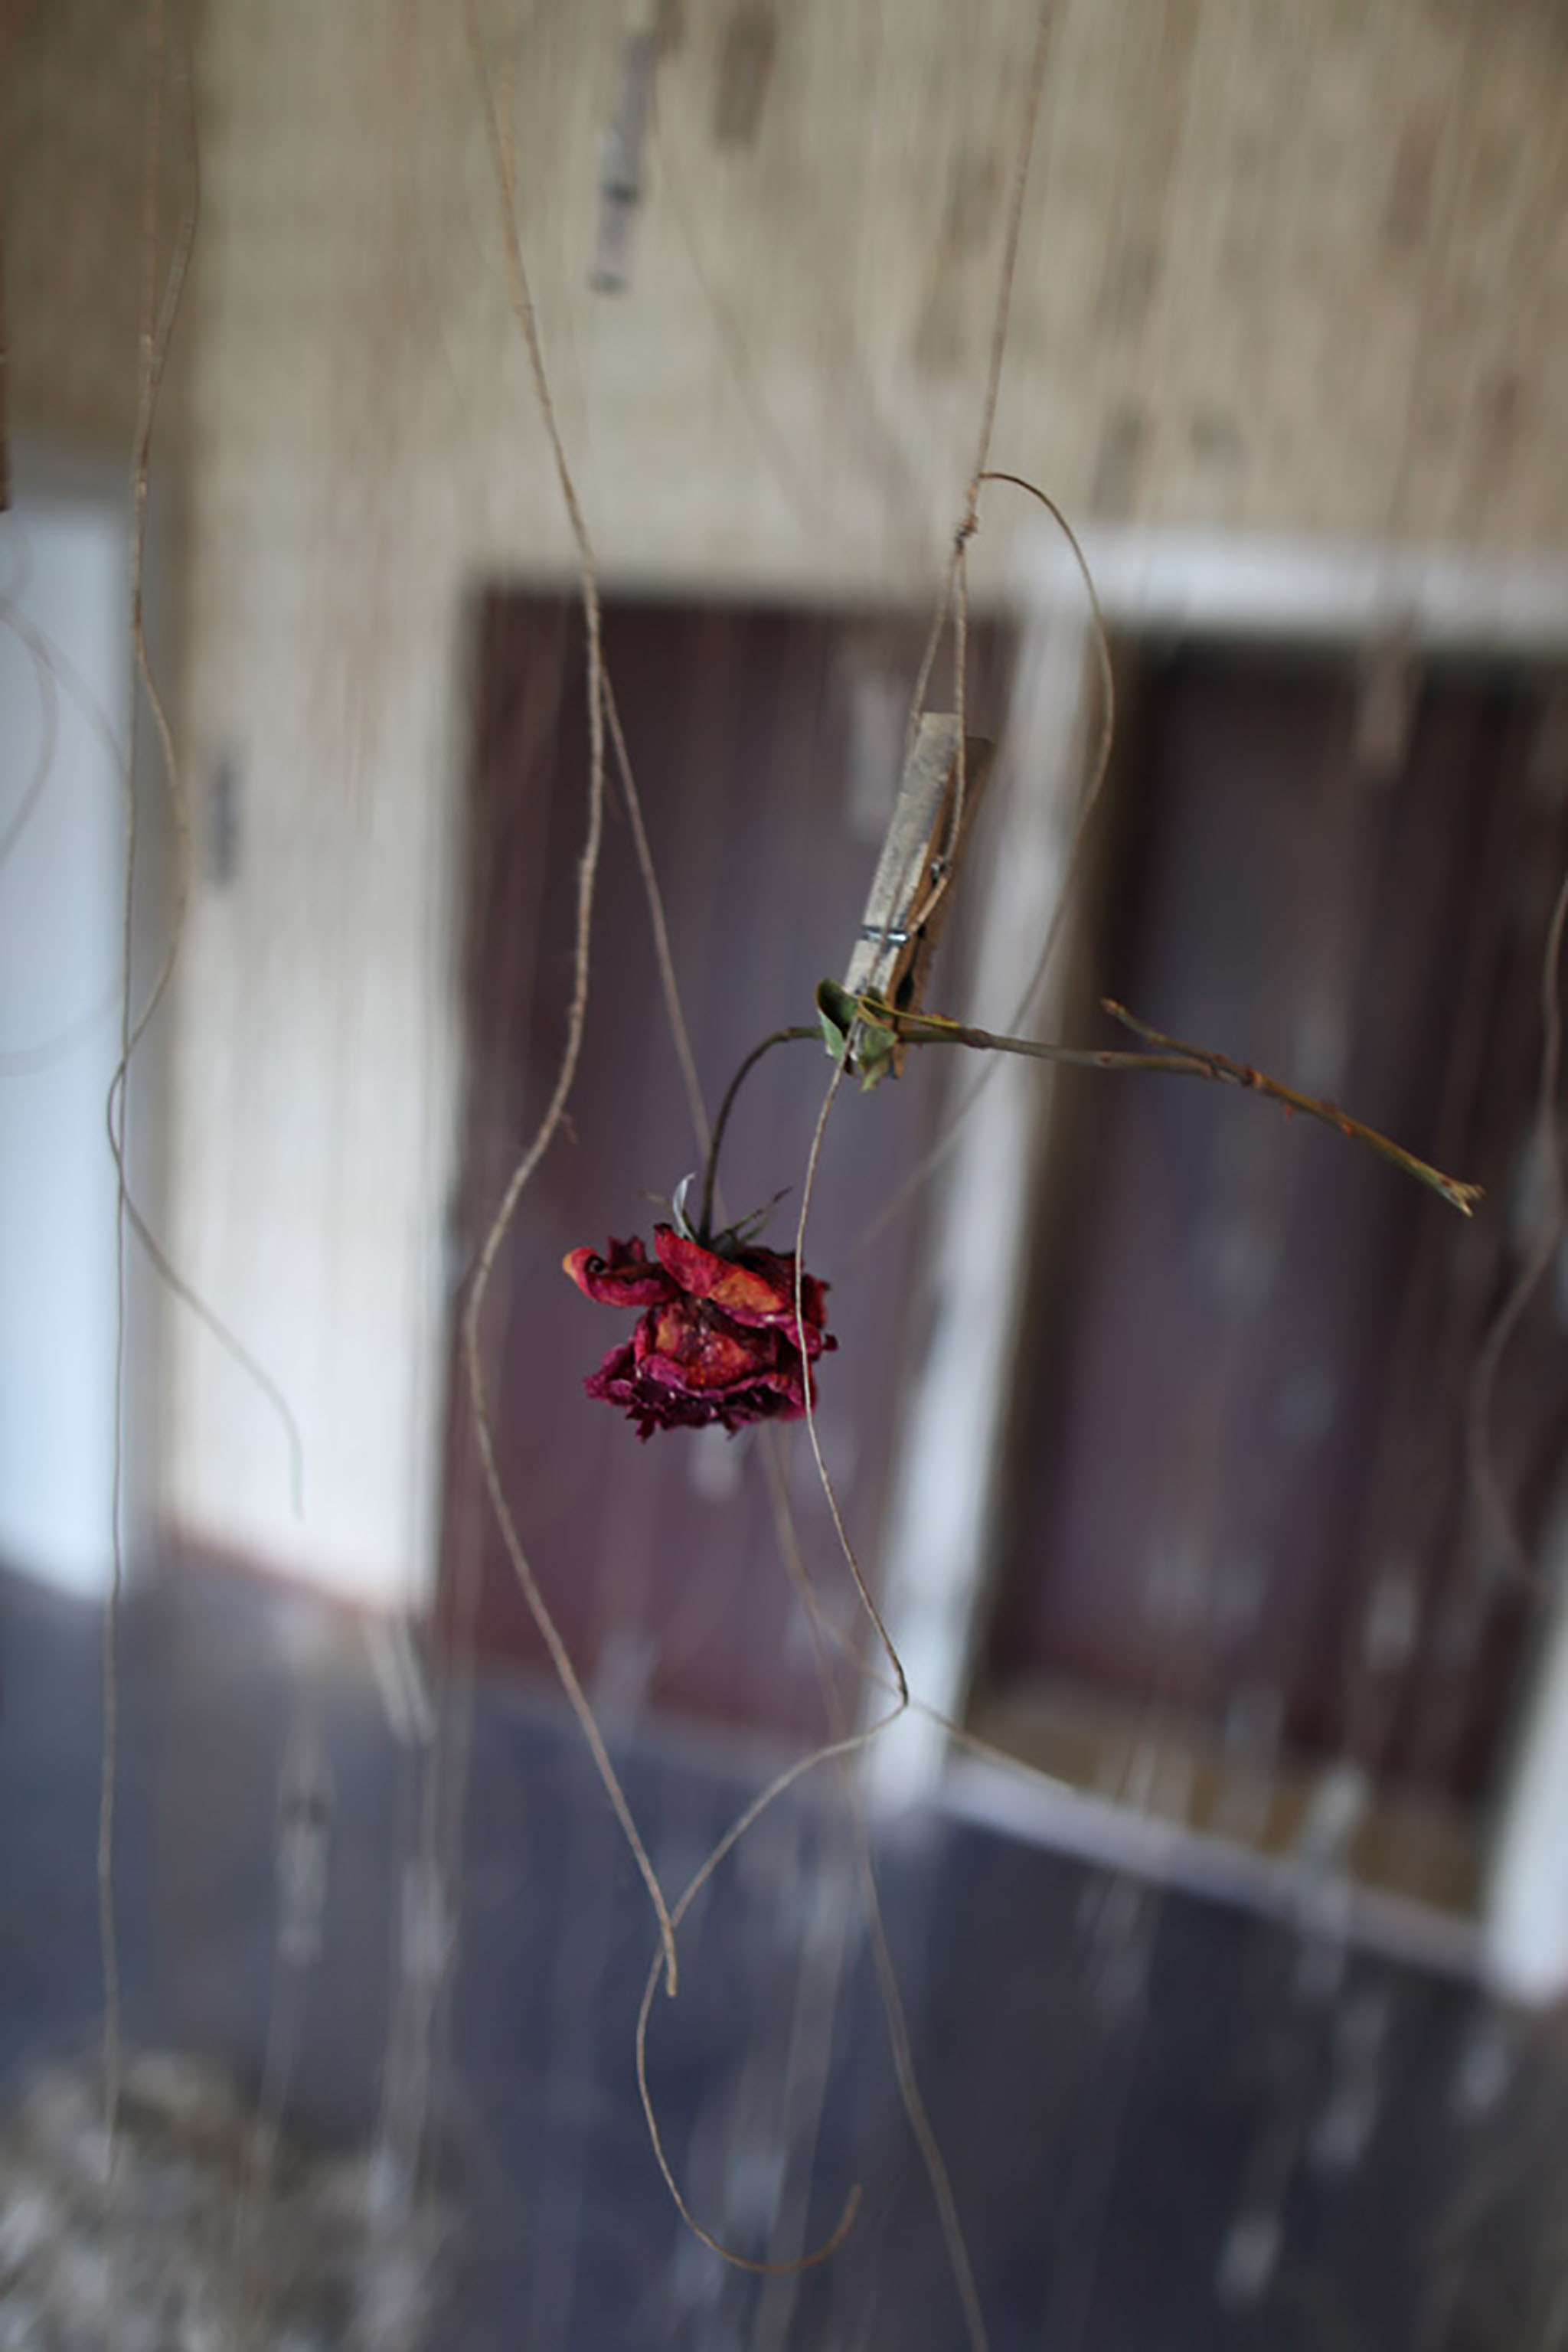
column 719, row 1340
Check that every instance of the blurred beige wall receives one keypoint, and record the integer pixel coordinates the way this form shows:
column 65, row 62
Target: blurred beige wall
column 1286, row 265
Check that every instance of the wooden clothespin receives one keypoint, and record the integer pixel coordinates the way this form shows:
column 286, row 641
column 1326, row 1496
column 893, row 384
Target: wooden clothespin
column 913, row 888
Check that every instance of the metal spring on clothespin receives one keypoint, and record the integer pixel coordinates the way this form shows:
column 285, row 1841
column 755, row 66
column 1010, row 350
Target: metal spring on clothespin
column 912, row 888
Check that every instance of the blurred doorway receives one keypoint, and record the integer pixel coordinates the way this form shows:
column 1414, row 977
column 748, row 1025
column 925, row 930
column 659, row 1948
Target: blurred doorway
column 1236, row 1509
column 767, row 745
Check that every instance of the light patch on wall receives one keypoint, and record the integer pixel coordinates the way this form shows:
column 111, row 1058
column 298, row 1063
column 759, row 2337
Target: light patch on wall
column 59, row 959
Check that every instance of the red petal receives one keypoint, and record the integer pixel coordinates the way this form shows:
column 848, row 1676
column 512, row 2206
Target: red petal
column 653, row 1393
column 720, row 1342
column 757, row 1287
column 624, row 1278
column 613, row 1381
column 699, row 1352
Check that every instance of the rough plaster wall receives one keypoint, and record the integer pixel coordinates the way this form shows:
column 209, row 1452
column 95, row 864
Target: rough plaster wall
column 1290, row 265
column 71, row 178
column 330, row 563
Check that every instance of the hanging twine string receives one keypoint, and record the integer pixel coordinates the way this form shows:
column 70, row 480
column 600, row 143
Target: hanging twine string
column 156, row 329
column 499, row 140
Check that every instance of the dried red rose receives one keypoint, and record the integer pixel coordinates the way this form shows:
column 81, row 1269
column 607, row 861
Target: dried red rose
column 720, row 1341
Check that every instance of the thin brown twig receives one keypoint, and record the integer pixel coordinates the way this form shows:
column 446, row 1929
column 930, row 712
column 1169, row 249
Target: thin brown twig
column 822, row 1630
column 159, row 317
column 1479, row 1450
column 48, row 738
column 955, row 581
column 919, row 2119
column 549, row 1125
column 862, row 1587
column 865, row 1670
column 826, row 1630
column 156, row 325
column 157, row 338
column 51, row 660
column 892, row 2001
column 799, row 1032
column 1033, row 94
column 1090, row 800
column 53, row 669
column 927, row 1166
column 838, row 1750
column 1173, row 1057
column 680, row 1036
column 844, row 1746
column 1219, row 1066
column 233, row 1345
column 834, row 1751
column 157, row 335
column 957, row 587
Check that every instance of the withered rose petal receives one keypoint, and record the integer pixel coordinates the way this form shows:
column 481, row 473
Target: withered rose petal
column 775, row 1394
column 720, row 1342
column 616, row 1382
column 625, row 1276
column 613, row 1381
column 755, row 1288
column 702, row 1352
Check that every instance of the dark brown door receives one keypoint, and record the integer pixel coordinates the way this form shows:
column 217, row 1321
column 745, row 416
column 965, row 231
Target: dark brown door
column 766, row 746
column 1242, row 1468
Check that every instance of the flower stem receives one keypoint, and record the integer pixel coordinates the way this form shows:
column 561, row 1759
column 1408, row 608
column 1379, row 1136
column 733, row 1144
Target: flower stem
column 710, row 1172
column 1462, row 1197
column 1184, row 1060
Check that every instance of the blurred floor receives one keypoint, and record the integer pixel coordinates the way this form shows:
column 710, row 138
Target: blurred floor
column 1166, row 2123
